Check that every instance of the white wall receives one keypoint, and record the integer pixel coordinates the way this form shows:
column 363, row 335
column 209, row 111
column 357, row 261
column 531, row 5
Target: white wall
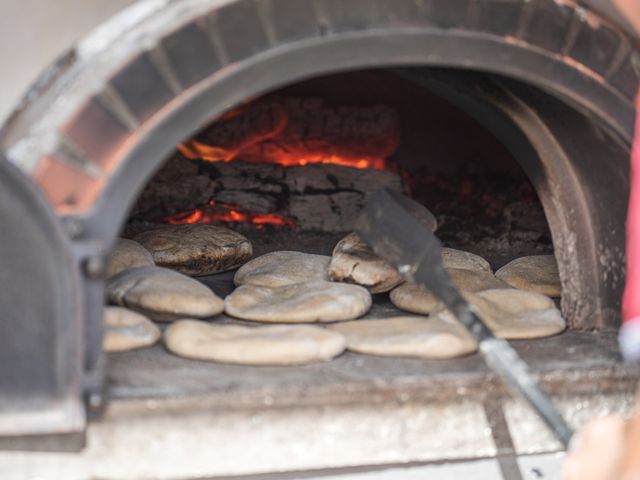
column 33, row 33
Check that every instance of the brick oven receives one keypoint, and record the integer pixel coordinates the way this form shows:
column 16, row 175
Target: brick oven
column 511, row 120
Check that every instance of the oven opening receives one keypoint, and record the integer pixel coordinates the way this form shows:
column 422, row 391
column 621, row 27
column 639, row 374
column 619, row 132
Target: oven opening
column 276, row 184
column 292, row 169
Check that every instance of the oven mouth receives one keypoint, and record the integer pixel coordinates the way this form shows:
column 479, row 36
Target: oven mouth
column 292, row 169
column 449, row 138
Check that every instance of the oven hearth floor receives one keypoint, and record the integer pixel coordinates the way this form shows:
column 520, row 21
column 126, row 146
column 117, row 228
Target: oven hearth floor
column 572, row 363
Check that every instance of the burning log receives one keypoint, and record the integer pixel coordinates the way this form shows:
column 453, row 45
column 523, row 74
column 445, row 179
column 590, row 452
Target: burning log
column 237, row 131
column 248, row 200
column 177, row 186
column 296, row 161
column 317, row 197
column 300, row 131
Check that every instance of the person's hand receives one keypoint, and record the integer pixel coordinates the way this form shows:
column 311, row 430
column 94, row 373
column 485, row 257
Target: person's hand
column 597, row 451
column 606, row 449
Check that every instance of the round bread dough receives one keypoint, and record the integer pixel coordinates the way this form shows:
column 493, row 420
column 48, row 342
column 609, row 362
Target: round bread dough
column 412, row 298
column 474, row 280
column 196, row 249
column 537, row 273
column 316, row 301
column 424, row 337
column 353, row 261
column 452, row 258
column 515, row 314
column 277, row 269
column 125, row 330
column 255, row 345
column 163, row 294
column 127, row 254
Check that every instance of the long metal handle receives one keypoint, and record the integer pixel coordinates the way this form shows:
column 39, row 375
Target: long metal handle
column 389, row 225
column 506, row 362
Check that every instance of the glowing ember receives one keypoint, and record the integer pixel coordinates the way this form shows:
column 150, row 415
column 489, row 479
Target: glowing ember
column 297, row 132
column 223, row 213
column 194, row 150
column 190, row 217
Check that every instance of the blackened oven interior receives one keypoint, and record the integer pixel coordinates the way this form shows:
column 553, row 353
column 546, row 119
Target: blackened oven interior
column 362, row 131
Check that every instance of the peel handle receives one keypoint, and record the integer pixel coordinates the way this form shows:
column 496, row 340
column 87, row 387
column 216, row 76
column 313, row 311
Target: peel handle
column 504, row 360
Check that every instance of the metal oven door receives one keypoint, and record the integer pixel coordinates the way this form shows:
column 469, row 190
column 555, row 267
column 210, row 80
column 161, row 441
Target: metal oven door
column 43, row 360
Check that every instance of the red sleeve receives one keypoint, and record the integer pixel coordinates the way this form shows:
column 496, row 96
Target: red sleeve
column 631, row 299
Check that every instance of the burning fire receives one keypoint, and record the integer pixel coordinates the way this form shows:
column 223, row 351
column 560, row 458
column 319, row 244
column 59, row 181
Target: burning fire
column 297, row 132
column 238, row 130
column 194, row 149
column 290, row 132
column 216, row 212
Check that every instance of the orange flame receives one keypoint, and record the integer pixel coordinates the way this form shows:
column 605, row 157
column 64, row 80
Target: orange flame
column 194, row 150
column 189, row 217
column 361, row 163
column 225, row 213
column 197, row 150
column 278, row 141
column 269, row 133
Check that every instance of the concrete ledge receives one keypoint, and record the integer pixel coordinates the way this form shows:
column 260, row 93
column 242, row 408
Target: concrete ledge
column 185, row 439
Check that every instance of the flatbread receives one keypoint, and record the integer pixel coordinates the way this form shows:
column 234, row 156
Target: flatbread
column 354, row 262
column 277, row 269
column 196, row 249
column 125, row 330
column 411, row 298
column 128, row 254
column 163, row 294
column 452, row 258
column 474, row 280
column 515, row 314
column 316, row 301
column 255, row 345
column 425, row 337
column 537, row 273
